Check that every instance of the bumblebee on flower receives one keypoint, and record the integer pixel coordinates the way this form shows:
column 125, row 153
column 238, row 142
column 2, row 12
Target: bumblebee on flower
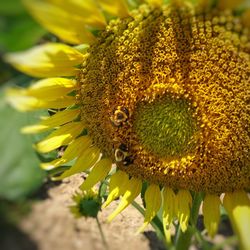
column 163, row 88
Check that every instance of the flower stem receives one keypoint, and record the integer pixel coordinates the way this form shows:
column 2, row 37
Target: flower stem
column 102, row 234
column 183, row 239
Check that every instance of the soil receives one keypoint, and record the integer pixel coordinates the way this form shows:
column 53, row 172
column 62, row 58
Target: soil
column 51, row 226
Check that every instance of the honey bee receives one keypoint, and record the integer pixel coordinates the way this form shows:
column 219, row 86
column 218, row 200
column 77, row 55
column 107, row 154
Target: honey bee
column 120, row 116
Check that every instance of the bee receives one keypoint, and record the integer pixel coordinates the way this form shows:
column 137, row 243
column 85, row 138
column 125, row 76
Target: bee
column 122, row 155
column 127, row 161
column 119, row 116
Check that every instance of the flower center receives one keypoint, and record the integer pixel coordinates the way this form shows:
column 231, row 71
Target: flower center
column 165, row 94
column 166, row 126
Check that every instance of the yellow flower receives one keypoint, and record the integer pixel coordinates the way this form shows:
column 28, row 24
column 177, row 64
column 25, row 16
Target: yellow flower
column 163, row 92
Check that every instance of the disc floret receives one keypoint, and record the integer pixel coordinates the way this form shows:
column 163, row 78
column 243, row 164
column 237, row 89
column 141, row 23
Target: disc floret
column 172, row 88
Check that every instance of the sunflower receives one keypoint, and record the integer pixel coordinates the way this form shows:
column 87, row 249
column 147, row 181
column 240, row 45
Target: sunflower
column 158, row 88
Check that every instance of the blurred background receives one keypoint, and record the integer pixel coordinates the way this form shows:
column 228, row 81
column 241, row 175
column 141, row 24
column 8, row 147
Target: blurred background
column 20, row 177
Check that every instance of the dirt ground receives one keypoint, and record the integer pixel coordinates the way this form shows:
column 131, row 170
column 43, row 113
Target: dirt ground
column 50, row 226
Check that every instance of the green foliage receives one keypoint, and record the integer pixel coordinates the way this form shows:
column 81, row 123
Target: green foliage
column 18, row 31
column 12, row 212
column 19, row 171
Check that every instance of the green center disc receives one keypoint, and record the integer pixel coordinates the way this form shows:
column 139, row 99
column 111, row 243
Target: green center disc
column 166, row 126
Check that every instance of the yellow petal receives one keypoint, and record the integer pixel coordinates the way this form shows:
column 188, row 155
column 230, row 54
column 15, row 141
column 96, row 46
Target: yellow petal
column 51, row 88
column 75, row 149
column 48, row 60
column 117, row 186
column 67, row 26
column 62, row 136
column 59, row 103
column 237, row 205
column 87, row 11
column 133, row 189
column 20, row 101
column 211, row 212
column 229, row 4
column 153, row 204
column 118, row 8
column 168, row 212
column 88, row 158
column 53, row 121
column 98, row 173
column 156, row 3
column 183, row 206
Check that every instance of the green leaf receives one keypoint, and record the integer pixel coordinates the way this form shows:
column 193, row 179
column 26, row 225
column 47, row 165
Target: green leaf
column 11, row 7
column 19, row 167
column 18, row 31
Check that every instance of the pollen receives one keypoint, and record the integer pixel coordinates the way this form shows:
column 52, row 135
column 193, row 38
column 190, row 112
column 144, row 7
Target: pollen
column 165, row 94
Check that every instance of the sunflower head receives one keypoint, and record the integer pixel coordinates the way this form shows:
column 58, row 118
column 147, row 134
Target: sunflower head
column 165, row 95
column 162, row 92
